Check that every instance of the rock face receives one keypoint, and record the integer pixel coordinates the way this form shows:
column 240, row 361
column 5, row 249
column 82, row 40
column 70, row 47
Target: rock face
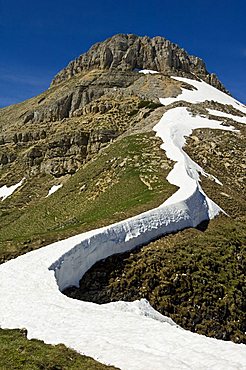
column 78, row 97
column 59, row 156
column 130, row 52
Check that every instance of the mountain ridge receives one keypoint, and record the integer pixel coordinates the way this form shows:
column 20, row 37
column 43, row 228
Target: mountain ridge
column 130, row 52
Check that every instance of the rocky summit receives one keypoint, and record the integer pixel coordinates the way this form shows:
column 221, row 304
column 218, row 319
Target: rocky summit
column 131, row 52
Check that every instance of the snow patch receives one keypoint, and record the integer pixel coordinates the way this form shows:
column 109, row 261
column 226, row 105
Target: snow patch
column 6, row 191
column 148, row 71
column 53, row 189
column 227, row 115
column 202, row 92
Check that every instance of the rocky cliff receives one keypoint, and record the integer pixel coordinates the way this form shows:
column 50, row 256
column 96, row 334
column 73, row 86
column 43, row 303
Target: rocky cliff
column 131, row 52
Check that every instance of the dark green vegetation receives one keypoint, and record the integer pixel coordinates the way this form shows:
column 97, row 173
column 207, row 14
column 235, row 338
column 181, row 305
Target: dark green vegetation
column 150, row 105
column 126, row 178
column 16, row 352
column 197, row 278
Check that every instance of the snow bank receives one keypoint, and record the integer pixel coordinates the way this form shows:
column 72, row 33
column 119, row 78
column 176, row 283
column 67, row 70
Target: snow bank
column 202, row 92
column 6, row 191
column 128, row 234
column 187, row 207
column 132, row 336
column 53, row 189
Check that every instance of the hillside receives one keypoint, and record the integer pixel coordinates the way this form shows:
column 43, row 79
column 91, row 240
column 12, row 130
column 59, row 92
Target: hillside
column 84, row 155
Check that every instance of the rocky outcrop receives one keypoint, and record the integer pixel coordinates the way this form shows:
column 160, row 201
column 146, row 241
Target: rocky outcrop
column 66, row 154
column 131, row 52
column 74, row 103
column 58, row 156
column 7, row 157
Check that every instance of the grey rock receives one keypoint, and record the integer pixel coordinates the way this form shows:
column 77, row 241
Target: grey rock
column 127, row 52
column 29, row 117
column 4, row 159
column 64, row 154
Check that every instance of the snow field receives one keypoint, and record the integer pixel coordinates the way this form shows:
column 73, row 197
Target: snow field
column 202, row 92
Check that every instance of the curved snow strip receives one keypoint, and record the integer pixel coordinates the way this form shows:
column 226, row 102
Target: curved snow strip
column 128, row 234
column 132, row 336
column 187, row 207
column 174, row 126
column 201, row 93
column 226, row 115
column 6, row 191
column 53, row 189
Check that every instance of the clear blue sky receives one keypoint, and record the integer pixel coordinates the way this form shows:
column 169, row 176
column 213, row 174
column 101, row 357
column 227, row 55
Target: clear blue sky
column 38, row 38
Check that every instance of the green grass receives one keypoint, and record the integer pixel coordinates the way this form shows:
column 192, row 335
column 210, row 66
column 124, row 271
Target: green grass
column 124, row 180
column 16, row 352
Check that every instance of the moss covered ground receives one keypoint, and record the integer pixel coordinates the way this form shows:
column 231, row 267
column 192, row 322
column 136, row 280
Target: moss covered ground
column 125, row 179
column 17, row 352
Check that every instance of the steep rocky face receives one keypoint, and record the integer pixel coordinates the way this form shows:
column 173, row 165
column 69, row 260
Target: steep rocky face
column 73, row 101
column 56, row 155
column 130, row 52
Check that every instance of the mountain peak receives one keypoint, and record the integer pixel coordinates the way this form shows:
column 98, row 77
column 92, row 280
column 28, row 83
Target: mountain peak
column 129, row 52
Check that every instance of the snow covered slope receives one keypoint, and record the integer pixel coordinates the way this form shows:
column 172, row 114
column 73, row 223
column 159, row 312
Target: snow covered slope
column 202, row 92
column 128, row 335
column 7, row 191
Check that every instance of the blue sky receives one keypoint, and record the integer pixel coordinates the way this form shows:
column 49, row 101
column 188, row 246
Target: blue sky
column 38, row 38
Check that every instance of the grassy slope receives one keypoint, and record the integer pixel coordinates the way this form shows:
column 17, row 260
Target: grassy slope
column 214, row 307
column 16, row 352
column 124, row 180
